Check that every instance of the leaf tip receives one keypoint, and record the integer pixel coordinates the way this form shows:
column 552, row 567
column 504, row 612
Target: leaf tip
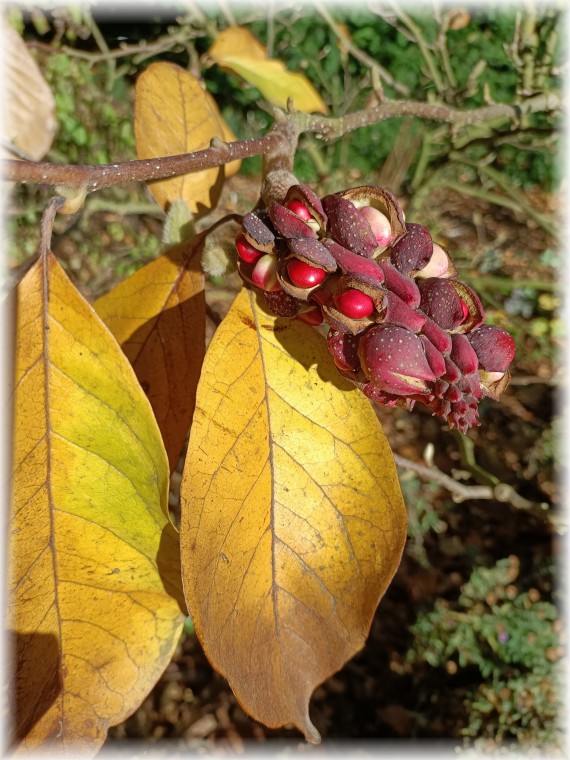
column 310, row 732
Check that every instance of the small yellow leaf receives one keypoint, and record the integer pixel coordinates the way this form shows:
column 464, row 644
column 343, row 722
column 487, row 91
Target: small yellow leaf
column 173, row 115
column 237, row 40
column 95, row 606
column 237, row 50
column 293, row 522
column 158, row 316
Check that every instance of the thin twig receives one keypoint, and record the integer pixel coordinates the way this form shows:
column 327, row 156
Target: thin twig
column 332, row 129
column 507, row 285
column 161, row 44
column 444, row 52
column 213, row 315
column 514, row 204
column 515, row 194
column 422, row 44
column 460, row 492
column 532, row 380
column 46, row 224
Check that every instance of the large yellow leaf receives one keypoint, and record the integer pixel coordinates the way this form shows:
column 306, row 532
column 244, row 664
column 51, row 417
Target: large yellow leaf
column 293, row 522
column 174, row 114
column 95, row 598
column 237, row 50
column 158, row 315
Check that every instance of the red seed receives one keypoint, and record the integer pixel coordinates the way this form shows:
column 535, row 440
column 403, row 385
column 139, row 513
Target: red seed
column 246, row 251
column 304, row 275
column 299, row 209
column 354, row 304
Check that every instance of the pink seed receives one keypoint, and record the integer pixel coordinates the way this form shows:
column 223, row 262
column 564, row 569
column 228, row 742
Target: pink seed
column 379, row 224
column 438, row 265
column 354, row 304
column 264, row 274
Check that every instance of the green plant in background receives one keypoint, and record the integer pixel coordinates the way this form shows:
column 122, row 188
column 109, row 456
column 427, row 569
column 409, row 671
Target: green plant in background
column 422, row 517
column 513, row 639
column 91, row 128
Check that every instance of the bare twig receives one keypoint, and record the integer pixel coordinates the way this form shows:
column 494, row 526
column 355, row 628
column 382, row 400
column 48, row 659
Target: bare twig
column 444, row 52
column 532, row 380
column 332, row 129
column 460, row 492
column 168, row 41
column 276, row 141
column 213, row 315
column 107, row 175
column 515, row 204
column 507, row 285
column 422, row 44
column 46, row 225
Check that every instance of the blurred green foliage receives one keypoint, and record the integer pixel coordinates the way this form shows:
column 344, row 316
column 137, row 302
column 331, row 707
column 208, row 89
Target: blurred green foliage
column 308, row 44
column 512, row 638
column 91, row 128
column 422, row 517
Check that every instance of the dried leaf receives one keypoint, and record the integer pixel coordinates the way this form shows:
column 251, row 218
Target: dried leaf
column 237, row 50
column 93, row 558
column 458, row 18
column 29, row 115
column 174, row 114
column 158, row 316
column 293, row 522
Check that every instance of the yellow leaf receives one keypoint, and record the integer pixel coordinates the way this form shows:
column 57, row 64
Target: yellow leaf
column 237, row 40
column 293, row 522
column 158, row 315
column 95, row 608
column 237, row 50
column 173, row 115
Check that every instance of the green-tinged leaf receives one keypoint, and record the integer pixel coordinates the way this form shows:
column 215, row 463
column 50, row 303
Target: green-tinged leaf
column 95, row 609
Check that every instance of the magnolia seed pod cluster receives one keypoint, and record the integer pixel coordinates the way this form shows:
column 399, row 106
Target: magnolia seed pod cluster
column 402, row 327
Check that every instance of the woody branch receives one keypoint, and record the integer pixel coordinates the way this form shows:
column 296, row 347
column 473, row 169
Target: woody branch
column 280, row 140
